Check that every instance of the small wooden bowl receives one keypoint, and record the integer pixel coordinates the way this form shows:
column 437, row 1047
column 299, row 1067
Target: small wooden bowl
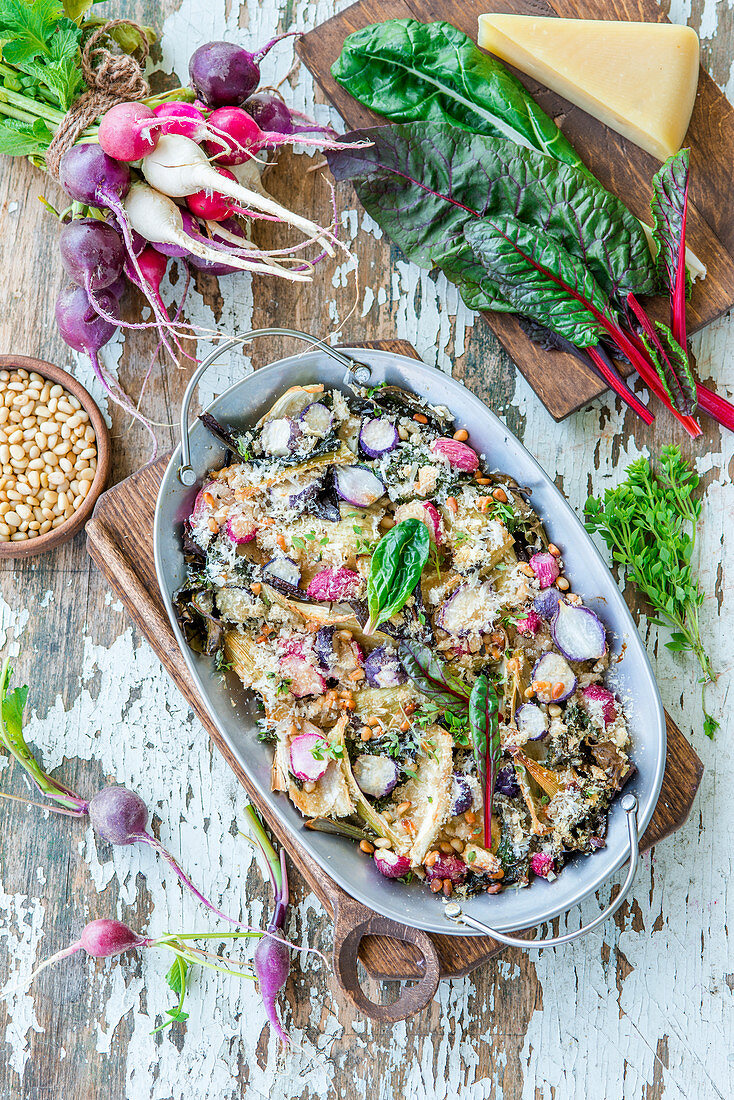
column 59, row 535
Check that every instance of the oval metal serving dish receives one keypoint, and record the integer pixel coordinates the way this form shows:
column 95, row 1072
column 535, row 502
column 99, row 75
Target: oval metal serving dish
column 631, row 677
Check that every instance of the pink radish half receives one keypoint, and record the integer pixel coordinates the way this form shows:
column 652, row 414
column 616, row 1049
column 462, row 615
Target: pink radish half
column 304, row 764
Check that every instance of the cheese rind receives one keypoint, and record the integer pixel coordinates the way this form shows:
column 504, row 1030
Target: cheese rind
column 639, row 79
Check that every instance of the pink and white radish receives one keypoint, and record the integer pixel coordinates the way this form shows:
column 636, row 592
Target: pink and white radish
column 357, row 485
column 599, row 702
column 543, row 865
column 457, row 454
column 308, row 757
column 243, row 137
column 334, row 584
column 240, row 530
column 303, row 679
column 546, row 569
column 427, row 513
column 578, row 632
column 376, row 776
column 531, row 624
column 127, row 131
column 390, row 864
column 448, row 867
column 553, row 678
column 531, row 721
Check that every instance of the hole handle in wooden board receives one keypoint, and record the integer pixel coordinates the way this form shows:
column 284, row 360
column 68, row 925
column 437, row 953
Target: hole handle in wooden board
column 352, row 923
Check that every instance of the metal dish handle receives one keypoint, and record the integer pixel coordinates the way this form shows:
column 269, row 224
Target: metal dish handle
column 629, row 805
column 356, row 371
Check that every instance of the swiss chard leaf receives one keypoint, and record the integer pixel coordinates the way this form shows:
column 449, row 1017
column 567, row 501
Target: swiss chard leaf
column 433, row 678
column 424, row 182
column 397, row 564
column 669, row 208
column 508, row 251
column 432, row 72
column 673, row 367
column 485, row 738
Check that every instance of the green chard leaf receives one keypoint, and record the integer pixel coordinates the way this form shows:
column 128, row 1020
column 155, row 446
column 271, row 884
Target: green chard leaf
column 424, row 183
column 673, row 367
column 432, row 72
column 396, row 568
column 485, row 738
column 433, row 678
column 510, row 251
column 669, row 186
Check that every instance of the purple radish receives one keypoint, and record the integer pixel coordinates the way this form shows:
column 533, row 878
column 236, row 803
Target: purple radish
column 358, row 485
column 507, row 783
column 546, row 604
column 377, row 437
column 280, row 437
column 127, row 131
column 390, row 864
column 376, row 776
column 448, row 867
column 223, row 73
column 545, row 568
column 316, row 420
column 272, row 114
column 578, row 633
column 92, row 253
column 116, row 814
column 382, row 668
column 308, row 755
column 324, row 647
column 556, row 676
column 462, row 798
column 283, row 574
column 531, row 721
column 334, row 585
column 469, row 610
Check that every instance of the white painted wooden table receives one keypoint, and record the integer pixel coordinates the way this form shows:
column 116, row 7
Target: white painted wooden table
column 640, row 1009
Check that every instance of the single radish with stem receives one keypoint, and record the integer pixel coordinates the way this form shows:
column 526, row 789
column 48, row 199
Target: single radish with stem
column 245, row 138
column 223, row 73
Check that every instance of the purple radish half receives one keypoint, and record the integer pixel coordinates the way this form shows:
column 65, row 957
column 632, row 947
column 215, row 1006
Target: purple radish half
column 376, row 775
column 280, row 437
column 448, row 867
column 358, row 485
column 382, row 668
column 578, row 633
column 324, row 647
column 531, row 721
column 316, row 419
column 546, row 604
column 554, row 670
column 469, row 610
column 304, row 764
column 507, row 783
column 390, row 864
column 283, row 574
column 462, row 798
column 377, row 437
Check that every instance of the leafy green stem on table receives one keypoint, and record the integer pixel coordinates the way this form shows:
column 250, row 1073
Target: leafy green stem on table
column 649, row 524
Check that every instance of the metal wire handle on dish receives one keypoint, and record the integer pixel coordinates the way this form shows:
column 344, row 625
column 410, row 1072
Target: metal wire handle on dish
column 359, row 372
column 629, row 805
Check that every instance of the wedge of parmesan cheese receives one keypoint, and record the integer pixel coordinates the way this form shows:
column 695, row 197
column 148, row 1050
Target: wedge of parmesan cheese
column 639, row 79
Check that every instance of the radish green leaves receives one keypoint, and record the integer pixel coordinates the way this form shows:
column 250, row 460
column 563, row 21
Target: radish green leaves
column 397, row 564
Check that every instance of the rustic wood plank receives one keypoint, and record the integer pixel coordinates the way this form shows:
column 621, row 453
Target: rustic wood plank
column 561, row 382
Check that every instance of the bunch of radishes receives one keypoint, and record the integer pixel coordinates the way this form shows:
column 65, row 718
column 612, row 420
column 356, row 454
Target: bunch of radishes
column 178, row 180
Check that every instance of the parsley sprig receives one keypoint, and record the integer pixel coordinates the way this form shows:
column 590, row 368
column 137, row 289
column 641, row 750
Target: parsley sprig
column 649, row 524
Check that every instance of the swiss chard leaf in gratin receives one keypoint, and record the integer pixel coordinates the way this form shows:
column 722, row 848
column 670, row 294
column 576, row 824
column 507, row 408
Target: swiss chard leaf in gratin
column 429, row 682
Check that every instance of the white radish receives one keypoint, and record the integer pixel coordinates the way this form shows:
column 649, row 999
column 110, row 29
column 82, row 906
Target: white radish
column 178, row 167
column 158, row 219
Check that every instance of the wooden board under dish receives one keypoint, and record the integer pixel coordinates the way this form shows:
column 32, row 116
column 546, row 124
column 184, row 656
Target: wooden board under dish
column 560, row 381
column 120, row 541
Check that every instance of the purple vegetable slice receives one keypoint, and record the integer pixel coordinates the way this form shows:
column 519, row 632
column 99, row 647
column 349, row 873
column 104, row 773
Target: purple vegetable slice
column 554, row 670
column 531, row 721
column 304, row 764
column 546, row 604
column 280, row 437
column 382, row 668
column 507, row 783
column 378, row 436
column 283, row 573
column 316, row 419
column 324, row 647
column 462, row 798
column 448, row 867
column 578, row 633
column 390, row 864
column 376, row 776
column 358, row 485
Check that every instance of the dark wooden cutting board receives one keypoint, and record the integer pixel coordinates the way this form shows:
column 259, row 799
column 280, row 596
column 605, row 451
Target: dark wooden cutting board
column 560, row 381
column 120, row 541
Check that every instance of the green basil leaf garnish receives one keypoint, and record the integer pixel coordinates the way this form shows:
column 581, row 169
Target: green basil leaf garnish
column 397, row 564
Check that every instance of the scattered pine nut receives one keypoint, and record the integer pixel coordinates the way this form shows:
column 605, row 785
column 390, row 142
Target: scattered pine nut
column 420, row 418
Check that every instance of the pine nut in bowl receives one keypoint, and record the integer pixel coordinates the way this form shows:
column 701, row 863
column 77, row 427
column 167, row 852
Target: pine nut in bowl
column 54, row 456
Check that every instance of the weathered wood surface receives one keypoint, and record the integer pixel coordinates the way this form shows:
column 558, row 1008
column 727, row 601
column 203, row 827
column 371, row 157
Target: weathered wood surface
column 619, row 164
column 640, row 1009
column 120, row 541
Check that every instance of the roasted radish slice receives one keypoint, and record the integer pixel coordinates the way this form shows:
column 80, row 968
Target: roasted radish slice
column 308, row 757
column 358, row 485
column 303, row 679
column 546, row 604
column 553, row 679
column 382, row 668
column 240, row 529
column 531, row 721
column 424, row 511
column 471, row 609
column 448, row 867
column 545, row 568
column 376, row 776
column 390, row 864
column 578, row 633
column 280, row 437
column 599, row 703
column 456, row 454
column 377, row 437
column 462, row 797
column 334, row 584
column 284, row 574
column 316, row 420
